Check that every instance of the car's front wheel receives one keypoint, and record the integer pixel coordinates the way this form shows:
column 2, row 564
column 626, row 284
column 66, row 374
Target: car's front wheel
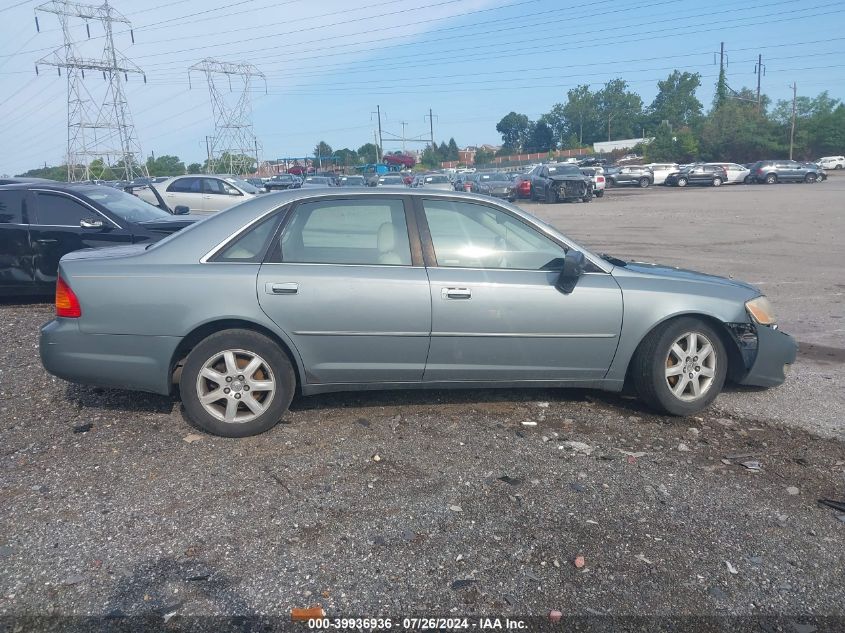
column 810, row 178
column 771, row 179
column 682, row 182
column 236, row 383
column 644, row 182
column 680, row 367
column 717, row 182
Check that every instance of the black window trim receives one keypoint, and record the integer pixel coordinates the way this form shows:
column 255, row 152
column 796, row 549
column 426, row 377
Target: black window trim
column 73, row 197
column 175, row 180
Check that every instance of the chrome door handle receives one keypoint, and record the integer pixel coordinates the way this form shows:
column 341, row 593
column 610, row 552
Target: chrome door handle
column 286, row 288
column 46, row 241
column 456, row 293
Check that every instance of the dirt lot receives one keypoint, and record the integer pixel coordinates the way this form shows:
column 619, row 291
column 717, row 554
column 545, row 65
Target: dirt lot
column 111, row 507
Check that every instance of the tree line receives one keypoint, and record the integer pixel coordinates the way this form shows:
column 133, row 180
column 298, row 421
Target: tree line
column 737, row 127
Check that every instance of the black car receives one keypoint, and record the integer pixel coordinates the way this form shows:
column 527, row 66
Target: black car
column 39, row 223
column 351, row 181
column 280, row 182
column 556, row 182
column 636, row 175
column 713, row 175
column 497, row 185
column 775, row 171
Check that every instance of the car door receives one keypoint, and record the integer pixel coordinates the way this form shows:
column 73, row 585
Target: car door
column 218, row 195
column 56, row 229
column 185, row 192
column 15, row 249
column 347, row 286
column 496, row 313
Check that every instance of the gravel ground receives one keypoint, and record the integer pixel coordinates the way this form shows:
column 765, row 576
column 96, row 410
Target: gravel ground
column 436, row 504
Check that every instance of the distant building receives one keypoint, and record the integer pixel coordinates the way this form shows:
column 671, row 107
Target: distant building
column 625, row 143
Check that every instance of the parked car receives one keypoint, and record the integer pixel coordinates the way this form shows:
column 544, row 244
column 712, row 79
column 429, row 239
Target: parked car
column 775, row 171
column 482, row 295
column 496, row 184
column 351, row 181
column 311, row 182
column 659, row 171
column 736, row 173
column 560, row 181
column 636, row 175
column 713, row 175
column 822, row 174
column 831, row 162
column 258, row 183
column 40, row 223
column 433, row 181
column 523, row 185
column 391, row 180
column 596, row 174
column 464, row 181
column 203, row 193
column 280, row 182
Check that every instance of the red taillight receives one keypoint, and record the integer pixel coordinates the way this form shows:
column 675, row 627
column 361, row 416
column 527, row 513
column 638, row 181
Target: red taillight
column 525, row 186
column 467, row 186
column 599, row 178
column 67, row 305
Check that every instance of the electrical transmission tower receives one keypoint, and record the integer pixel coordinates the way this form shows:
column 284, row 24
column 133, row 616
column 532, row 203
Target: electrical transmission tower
column 100, row 134
column 234, row 147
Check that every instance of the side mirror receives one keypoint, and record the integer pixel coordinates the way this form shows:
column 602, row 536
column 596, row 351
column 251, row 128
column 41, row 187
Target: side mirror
column 573, row 267
column 90, row 223
column 181, row 209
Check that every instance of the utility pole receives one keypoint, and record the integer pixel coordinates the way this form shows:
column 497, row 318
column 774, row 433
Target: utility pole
column 378, row 153
column 792, row 130
column 759, row 69
column 99, row 129
column 233, row 135
column 403, row 124
column 431, row 124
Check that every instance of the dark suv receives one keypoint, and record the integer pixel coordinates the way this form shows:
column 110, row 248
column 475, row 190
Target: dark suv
column 775, row 171
column 636, row 175
column 714, row 175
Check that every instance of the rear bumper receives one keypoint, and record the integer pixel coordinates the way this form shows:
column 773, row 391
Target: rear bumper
column 140, row 363
column 776, row 351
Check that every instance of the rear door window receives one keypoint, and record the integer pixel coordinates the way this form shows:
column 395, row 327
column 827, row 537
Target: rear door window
column 11, row 206
column 56, row 209
column 186, row 185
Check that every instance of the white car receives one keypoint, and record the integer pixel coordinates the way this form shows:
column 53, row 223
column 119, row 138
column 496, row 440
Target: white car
column 831, row 162
column 596, row 174
column 737, row 174
column 434, row 181
column 202, row 193
column 661, row 170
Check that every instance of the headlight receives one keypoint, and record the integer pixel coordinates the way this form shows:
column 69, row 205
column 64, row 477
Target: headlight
column 761, row 311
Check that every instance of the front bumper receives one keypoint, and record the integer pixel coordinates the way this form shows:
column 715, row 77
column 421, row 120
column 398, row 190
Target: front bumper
column 140, row 363
column 776, row 351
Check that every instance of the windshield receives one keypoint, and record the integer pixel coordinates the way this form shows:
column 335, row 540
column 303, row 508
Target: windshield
column 391, row 180
column 123, row 204
column 560, row 170
column 242, row 184
column 495, row 177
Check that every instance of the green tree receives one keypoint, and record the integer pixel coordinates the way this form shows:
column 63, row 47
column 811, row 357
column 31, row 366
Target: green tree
column 323, row 150
column 678, row 146
column 579, row 116
column 514, row 129
column 676, row 102
column 194, row 168
column 235, row 164
column 541, row 138
column 620, row 110
column 453, row 150
column 165, row 165
column 51, row 173
column 443, row 151
column 430, row 156
column 484, row 157
column 735, row 131
column 368, row 153
column 347, row 156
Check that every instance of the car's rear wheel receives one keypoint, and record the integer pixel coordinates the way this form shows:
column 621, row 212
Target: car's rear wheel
column 600, row 193
column 771, row 179
column 236, row 383
column 680, row 367
column 717, row 182
column 644, row 182
column 551, row 196
column 810, row 178
column 838, row 167
column 682, row 182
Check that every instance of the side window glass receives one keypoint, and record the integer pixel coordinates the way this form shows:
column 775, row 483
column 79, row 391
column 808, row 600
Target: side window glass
column 467, row 235
column 185, row 185
column 357, row 231
column 58, row 210
column 251, row 246
column 11, row 207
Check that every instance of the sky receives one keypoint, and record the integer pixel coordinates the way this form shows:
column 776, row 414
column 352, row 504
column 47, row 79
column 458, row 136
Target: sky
column 329, row 64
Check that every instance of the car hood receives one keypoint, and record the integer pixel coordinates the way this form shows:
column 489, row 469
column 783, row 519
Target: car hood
column 681, row 274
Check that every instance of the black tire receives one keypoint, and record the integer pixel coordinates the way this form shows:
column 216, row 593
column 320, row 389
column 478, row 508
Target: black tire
column 551, row 196
column 600, row 193
column 252, row 342
column 717, row 182
column 648, row 367
column 682, row 182
column 644, row 182
column 771, row 179
column 810, row 178
column 588, row 197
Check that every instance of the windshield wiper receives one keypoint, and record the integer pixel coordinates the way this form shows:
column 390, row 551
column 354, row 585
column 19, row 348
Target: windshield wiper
column 613, row 260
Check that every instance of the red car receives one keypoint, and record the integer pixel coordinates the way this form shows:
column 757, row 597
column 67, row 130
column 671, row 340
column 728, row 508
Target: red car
column 523, row 186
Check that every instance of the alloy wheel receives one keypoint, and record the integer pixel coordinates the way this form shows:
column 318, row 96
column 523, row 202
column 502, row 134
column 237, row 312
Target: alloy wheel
column 690, row 366
column 235, row 386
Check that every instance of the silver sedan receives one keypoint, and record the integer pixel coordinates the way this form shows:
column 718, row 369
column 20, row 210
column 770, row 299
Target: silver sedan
column 313, row 291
